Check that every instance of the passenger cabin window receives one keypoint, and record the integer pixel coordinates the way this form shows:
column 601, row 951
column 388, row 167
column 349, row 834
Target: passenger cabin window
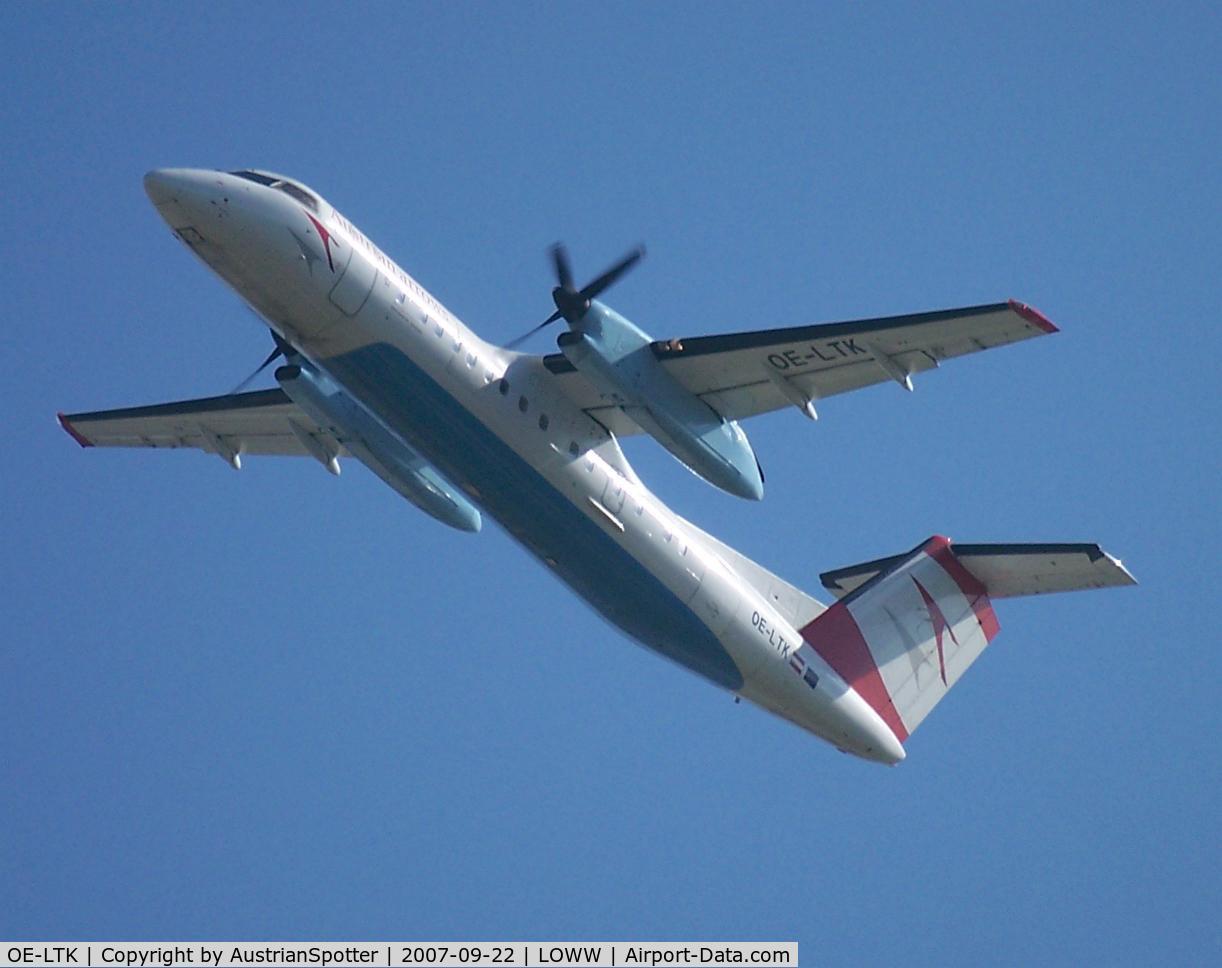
column 573, row 448
column 503, row 386
column 543, row 421
column 523, row 404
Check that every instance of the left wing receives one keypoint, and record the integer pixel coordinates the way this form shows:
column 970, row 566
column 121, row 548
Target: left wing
column 743, row 374
column 261, row 422
column 269, row 422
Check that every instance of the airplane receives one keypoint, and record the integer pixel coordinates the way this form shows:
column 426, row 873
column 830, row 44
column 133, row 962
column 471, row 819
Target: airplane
column 374, row 367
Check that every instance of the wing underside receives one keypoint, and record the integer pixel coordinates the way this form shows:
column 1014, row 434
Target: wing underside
column 261, row 422
column 744, row 374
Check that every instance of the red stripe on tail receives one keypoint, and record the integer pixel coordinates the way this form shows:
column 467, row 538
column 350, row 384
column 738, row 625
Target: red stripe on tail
column 940, row 550
column 837, row 638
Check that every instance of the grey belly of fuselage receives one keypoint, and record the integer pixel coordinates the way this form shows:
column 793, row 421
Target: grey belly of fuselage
column 535, row 513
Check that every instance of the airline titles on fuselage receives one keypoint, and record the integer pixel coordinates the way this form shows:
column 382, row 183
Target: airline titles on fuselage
column 391, row 268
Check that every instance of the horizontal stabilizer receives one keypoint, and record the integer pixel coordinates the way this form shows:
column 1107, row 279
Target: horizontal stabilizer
column 906, row 635
column 1009, row 570
column 906, row 628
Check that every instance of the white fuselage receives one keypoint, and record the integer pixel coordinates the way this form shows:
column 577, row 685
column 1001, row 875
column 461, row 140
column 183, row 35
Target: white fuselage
column 498, row 426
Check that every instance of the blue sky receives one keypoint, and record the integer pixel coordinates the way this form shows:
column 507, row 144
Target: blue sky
column 276, row 705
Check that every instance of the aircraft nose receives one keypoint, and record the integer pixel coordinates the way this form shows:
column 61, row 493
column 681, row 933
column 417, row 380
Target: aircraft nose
column 182, row 186
column 159, row 185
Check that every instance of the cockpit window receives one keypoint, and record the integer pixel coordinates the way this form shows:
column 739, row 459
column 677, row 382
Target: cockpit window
column 299, row 193
column 281, row 184
column 254, row 176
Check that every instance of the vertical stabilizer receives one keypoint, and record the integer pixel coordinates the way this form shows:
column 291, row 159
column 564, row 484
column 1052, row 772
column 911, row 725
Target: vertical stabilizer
column 907, row 627
column 904, row 638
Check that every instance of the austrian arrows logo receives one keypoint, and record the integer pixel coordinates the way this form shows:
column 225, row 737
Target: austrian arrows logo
column 939, row 623
column 326, row 239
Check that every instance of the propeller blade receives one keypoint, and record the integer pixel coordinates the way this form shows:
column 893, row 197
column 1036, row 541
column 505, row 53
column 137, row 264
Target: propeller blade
column 564, row 274
column 527, row 335
column 591, row 290
column 283, row 345
column 283, row 348
column 571, row 304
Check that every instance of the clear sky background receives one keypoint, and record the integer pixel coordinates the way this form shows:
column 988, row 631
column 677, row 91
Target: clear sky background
column 275, row 705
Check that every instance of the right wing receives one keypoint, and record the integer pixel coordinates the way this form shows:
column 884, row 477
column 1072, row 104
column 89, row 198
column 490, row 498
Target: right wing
column 260, row 422
column 743, row 374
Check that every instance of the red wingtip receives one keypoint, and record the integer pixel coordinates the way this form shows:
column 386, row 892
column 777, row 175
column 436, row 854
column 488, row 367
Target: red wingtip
column 72, row 431
column 1033, row 316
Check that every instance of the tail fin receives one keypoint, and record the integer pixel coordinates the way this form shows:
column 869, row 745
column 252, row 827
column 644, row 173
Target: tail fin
column 906, row 628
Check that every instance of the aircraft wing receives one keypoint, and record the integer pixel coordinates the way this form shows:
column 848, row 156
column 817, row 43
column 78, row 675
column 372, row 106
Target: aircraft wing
column 260, row 422
column 743, row 374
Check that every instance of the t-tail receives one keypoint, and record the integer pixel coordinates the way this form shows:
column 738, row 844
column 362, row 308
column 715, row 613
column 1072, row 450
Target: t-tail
column 907, row 628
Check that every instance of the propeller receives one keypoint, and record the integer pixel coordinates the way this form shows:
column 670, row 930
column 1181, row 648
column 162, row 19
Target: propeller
column 283, row 348
column 571, row 303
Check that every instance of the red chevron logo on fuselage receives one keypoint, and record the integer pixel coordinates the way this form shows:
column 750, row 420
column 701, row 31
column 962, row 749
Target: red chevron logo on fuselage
column 939, row 623
column 326, row 238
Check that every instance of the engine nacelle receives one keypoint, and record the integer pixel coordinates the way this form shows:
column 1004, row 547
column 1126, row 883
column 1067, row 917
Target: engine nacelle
column 377, row 448
column 618, row 359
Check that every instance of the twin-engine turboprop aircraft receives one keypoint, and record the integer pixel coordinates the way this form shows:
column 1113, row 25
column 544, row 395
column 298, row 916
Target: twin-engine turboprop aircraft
column 377, row 369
